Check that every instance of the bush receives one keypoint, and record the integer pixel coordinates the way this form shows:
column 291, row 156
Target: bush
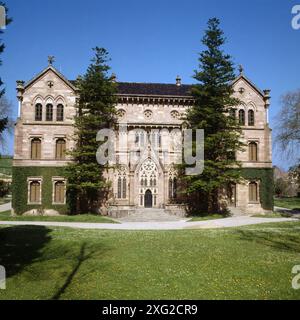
column 4, row 188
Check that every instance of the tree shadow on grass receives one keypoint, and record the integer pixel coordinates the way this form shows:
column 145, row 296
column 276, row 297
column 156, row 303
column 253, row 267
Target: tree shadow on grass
column 20, row 246
column 276, row 240
column 82, row 256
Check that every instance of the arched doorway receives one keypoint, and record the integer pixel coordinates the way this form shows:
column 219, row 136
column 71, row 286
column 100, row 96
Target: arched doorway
column 148, row 199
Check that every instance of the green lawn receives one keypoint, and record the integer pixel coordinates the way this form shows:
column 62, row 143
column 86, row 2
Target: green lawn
column 6, row 216
column 290, row 203
column 253, row 262
column 273, row 215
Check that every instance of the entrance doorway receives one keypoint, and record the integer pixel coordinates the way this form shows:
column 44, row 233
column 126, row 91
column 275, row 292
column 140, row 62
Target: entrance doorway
column 148, row 199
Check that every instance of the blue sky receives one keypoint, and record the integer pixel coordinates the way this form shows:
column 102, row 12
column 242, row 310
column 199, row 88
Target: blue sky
column 152, row 41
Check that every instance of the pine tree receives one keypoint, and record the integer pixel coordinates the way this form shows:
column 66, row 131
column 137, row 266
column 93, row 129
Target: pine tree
column 87, row 186
column 213, row 100
column 3, row 120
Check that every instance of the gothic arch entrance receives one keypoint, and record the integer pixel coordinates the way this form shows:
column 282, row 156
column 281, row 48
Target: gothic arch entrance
column 148, row 199
column 148, row 184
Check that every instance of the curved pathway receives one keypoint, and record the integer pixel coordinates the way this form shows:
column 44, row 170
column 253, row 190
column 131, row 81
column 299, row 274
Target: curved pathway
column 162, row 225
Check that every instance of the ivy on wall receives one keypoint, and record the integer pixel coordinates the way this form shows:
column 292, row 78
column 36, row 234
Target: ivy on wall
column 20, row 188
column 266, row 190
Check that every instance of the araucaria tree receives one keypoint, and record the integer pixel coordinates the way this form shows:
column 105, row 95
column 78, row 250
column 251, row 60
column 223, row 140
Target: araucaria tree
column 86, row 184
column 3, row 117
column 213, row 111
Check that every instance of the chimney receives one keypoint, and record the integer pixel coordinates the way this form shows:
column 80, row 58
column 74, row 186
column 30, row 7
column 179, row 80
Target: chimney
column 178, row 81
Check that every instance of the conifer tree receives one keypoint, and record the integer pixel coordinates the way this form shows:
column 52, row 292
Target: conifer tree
column 213, row 102
column 87, row 187
column 3, row 118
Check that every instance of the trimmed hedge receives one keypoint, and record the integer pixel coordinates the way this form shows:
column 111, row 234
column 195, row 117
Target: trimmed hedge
column 20, row 189
column 266, row 191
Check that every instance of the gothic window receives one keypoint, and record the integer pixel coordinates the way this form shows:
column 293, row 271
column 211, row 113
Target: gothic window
column 122, row 184
column 36, row 148
column 172, row 188
column 60, row 149
column 252, row 151
column 137, row 138
column 60, row 112
column 49, row 112
column 250, row 118
column 242, row 117
column 59, row 192
column 119, row 187
column 38, row 112
column 35, row 192
column 253, row 192
column 124, row 188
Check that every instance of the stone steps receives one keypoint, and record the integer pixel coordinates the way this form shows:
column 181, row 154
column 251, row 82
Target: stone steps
column 150, row 215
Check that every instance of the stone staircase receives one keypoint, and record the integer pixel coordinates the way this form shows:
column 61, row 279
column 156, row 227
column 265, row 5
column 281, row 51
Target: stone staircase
column 150, row 215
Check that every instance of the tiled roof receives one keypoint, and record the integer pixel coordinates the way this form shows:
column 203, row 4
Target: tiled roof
column 155, row 89
column 158, row 89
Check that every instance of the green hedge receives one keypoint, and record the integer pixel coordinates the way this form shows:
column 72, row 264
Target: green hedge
column 20, row 189
column 266, row 191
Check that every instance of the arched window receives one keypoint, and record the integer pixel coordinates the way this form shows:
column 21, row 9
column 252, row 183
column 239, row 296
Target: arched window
column 242, row 117
column 60, row 149
column 174, row 188
column 35, row 192
column 49, row 112
column 60, row 112
column 59, row 192
column 119, row 187
column 253, row 192
column 38, row 112
column 36, row 148
column 250, row 118
column 252, row 151
column 124, row 188
column 170, row 188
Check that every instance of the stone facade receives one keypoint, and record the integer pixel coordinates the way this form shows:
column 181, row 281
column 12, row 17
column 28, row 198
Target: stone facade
column 150, row 127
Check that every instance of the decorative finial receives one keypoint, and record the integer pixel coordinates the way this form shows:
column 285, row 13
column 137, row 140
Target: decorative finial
column 51, row 60
column 241, row 69
column 113, row 77
column 178, row 81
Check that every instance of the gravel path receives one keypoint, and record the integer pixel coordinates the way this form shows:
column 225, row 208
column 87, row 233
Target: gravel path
column 168, row 225
column 5, row 207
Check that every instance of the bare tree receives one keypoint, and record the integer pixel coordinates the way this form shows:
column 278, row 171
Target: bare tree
column 287, row 132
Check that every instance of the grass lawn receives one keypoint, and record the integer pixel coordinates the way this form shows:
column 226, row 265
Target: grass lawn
column 209, row 217
column 273, row 215
column 290, row 203
column 252, row 262
column 6, row 216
